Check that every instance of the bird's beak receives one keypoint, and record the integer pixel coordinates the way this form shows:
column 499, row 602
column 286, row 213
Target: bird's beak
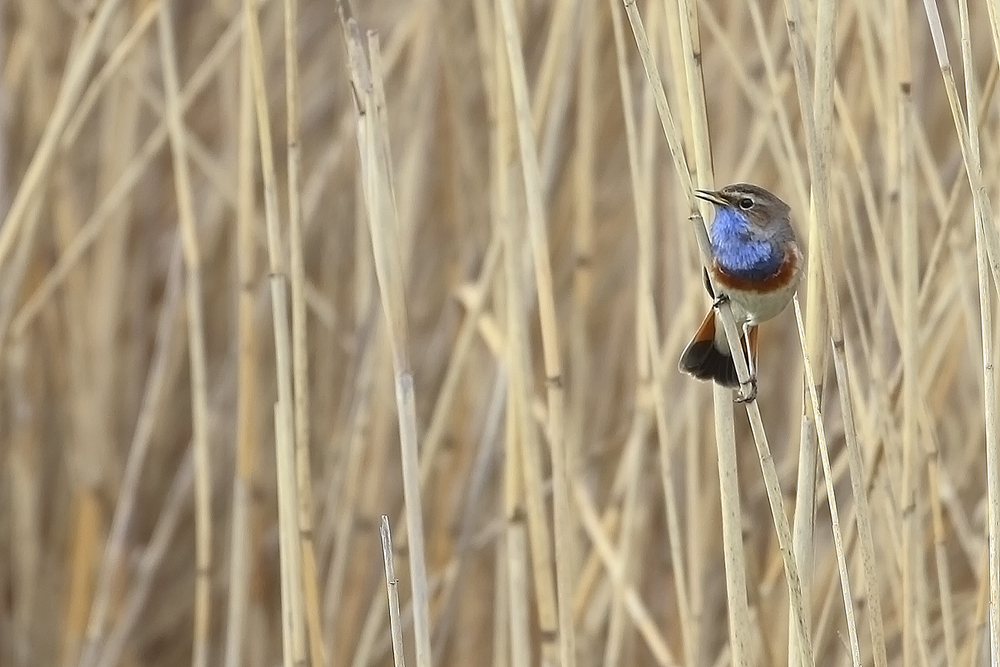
column 712, row 196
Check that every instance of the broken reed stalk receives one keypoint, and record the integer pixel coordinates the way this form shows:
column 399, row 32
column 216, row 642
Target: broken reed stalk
column 392, row 591
column 373, row 149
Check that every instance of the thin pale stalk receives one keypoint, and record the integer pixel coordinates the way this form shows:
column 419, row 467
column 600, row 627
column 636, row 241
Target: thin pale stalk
column 908, row 343
column 247, row 427
column 69, row 94
column 556, row 41
column 630, row 467
column 130, row 176
column 584, row 174
column 196, row 340
column 651, row 367
column 523, row 493
column 981, row 208
column 501, row 639
column 373, row 147
column 741, row 631
column 300, row 342
column 293, row 612
column 293, row 649
column 458, row 361
column 111, row 66
column 387, row 244
column 640, row 615
column 392, row 590
column 986, row 243
column 149, row 562
column 515, row 514
column 141, row 439
column 815, row 344
column 838, row 539
column 819, row 115
column 563, row 519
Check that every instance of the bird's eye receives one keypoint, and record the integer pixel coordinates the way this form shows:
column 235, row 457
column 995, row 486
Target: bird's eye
column 746, row 203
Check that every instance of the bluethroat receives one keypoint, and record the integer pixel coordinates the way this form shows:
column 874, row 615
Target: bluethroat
column 756, row 267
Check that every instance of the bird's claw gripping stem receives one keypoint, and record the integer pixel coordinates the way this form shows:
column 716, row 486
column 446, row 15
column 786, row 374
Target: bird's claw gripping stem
column 747, row 395
column 719, row 300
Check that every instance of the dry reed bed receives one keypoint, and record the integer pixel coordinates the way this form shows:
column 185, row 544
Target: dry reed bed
column 270, row 271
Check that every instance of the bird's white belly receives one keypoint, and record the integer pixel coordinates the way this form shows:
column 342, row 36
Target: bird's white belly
column 752, row 308
column 755, row 307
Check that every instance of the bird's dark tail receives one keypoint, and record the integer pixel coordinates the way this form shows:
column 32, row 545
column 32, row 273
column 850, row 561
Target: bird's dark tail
column 706, row 359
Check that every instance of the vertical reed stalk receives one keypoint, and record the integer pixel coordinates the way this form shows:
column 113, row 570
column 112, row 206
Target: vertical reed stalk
column 392, row 589
column 373, row 148
column 300, row 342
column 247, row 426
column 741, row 632
column 196, row 339
column 293, row 612
column 562, row 518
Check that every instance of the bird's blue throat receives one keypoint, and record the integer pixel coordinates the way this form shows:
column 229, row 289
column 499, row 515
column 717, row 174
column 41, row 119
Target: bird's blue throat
column 738, row 251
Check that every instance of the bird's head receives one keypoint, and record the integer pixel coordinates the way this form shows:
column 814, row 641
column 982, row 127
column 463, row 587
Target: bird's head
column 764, row 212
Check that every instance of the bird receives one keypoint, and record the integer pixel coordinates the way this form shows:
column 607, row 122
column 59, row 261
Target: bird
column 756, row 266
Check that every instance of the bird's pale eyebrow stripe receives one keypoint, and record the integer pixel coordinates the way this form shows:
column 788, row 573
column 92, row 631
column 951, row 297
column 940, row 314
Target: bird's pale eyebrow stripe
column 777, row 280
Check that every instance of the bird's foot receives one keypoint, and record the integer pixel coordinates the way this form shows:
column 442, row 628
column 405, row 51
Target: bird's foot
column 747, row 395
column 719, row 300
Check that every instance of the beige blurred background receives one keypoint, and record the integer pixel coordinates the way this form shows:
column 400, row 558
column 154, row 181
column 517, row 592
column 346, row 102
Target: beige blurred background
column 139, row 484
